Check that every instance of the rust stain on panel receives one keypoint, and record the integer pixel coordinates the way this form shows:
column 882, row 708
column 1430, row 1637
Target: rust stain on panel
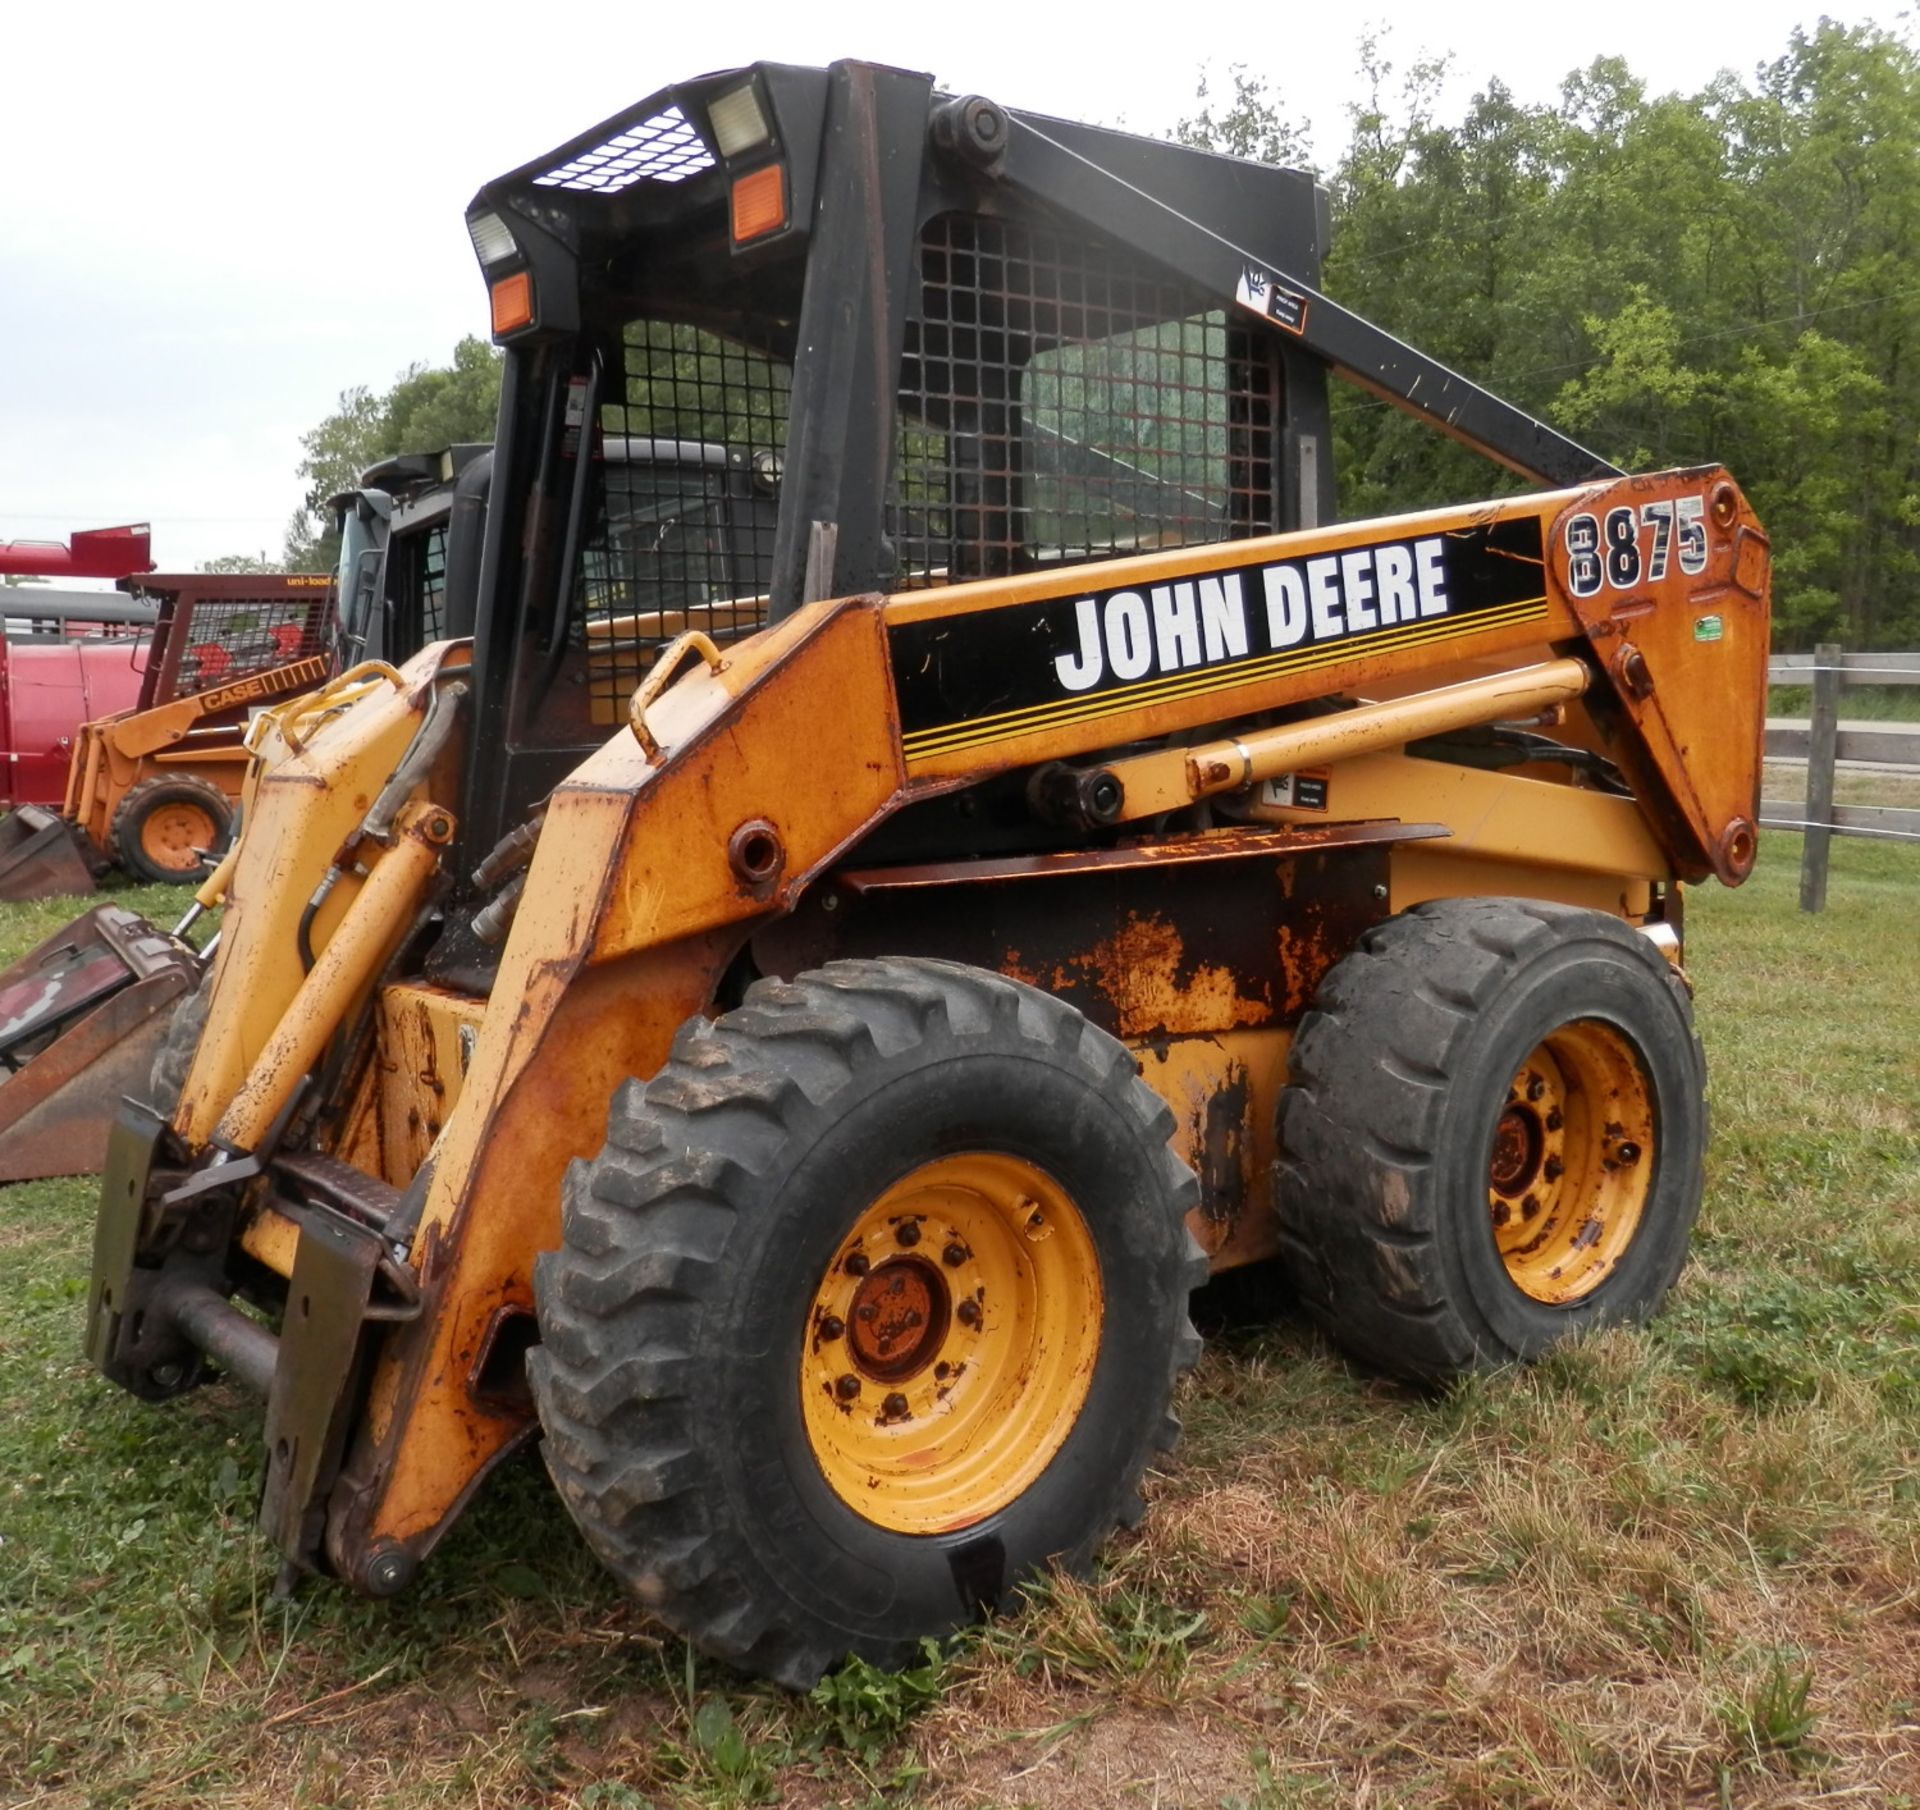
column 421, row 1070
column 1225, row 1093
column 1149, row 953
column 1151, row 982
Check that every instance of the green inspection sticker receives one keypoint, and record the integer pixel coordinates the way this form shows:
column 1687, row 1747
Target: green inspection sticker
column 1709, row 628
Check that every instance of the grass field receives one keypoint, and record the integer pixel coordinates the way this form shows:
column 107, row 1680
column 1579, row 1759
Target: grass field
column 1787, row 780
column 1877, row 703
column 1672, row 1567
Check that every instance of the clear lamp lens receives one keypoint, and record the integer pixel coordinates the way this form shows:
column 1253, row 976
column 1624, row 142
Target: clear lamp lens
column 492, row 241
column 737, row 122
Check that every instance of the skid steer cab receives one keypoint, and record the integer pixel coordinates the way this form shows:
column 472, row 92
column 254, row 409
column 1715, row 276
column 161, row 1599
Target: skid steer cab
column 937, row 839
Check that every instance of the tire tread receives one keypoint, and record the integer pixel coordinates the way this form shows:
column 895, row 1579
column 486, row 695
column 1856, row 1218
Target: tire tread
column 648, row 1224
column 1370, row 1071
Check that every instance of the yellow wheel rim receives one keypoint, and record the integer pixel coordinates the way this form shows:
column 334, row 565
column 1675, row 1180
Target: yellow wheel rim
column 951, row 1343
column 1572, row 1162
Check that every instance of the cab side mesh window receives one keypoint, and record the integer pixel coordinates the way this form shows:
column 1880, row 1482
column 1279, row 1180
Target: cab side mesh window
column 683, row 537
column 1061, row 399
column 433, row 585
column 226, row 639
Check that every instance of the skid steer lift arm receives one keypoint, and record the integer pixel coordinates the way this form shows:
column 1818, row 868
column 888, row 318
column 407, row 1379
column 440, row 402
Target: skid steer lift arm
column 1041, row 155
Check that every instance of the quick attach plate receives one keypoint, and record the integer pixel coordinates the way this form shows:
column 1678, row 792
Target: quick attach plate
column 337, row 1267
column 136, row 1134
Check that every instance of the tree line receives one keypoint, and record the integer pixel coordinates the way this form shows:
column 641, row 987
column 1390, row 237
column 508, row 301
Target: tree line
column 426, row 409
column 1731, row 275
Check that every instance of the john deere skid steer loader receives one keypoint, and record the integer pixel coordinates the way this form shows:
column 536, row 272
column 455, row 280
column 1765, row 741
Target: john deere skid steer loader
column 788, row 1011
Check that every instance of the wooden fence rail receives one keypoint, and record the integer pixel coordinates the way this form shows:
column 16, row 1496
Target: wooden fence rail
column 1820, row 741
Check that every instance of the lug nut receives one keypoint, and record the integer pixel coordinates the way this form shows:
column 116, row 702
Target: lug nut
column 1530, row 1207
column 968, row 1313
column 895, row 1405
column 909, row 1232
column 1535, row 1087
column 390, row 1571
column 847, row 1388
column 865, row 1311
column 832, row 1326
column 856, row 1263
column 1554, row 1121
column 1553, row 1168
column 954, row 1255
column 1627, row 1153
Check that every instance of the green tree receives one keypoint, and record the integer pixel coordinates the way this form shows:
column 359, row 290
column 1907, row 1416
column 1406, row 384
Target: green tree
column 1727, row 275
column 1254, row 124
column 427, row 408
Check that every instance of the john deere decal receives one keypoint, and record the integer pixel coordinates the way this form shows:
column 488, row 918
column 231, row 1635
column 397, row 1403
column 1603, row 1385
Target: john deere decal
column 997, row 674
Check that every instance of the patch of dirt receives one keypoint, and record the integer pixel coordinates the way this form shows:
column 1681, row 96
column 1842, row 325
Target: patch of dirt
column 1119, row 1757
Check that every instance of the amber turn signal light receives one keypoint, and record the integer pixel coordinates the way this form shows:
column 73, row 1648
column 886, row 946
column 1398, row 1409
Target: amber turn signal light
column 512, row 302
column 759, row 203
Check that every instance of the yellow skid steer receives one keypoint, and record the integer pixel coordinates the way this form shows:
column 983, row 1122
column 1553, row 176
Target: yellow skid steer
column 786, row 1012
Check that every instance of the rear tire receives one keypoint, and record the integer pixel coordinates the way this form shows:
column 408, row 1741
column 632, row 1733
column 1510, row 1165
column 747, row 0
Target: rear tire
column 174, row 1057
column 955, row 1150
column 162, row 821
column 1493, row 1135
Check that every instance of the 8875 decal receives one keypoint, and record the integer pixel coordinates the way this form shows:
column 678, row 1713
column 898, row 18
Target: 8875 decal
column 1608, row 551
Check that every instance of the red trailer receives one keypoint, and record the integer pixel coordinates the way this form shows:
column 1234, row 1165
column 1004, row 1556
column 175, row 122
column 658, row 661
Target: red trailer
column 67, row 658
column 92, row 553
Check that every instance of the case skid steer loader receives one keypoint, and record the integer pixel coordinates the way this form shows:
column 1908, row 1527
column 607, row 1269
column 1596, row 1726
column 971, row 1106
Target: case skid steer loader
column 151, row 788
column 85, row 1014
column 793, row 1042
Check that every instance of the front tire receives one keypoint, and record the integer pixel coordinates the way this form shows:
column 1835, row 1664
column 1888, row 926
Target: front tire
column 871, row 1307
column 174, row 1058
column 168, row 828
column 1493, row 1135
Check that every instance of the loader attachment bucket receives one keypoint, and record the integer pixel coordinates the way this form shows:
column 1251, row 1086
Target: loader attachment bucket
column 81, row 1019
column 43, row 856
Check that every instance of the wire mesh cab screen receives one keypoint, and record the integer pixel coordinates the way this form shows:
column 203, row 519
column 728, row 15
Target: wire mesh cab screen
column 1061, row 399
column 237, row 637
column 683, row 535
column 218, row 640
column 432, row 581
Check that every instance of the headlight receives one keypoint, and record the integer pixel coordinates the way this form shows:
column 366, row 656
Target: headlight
column 737, row 122
column 492, row 239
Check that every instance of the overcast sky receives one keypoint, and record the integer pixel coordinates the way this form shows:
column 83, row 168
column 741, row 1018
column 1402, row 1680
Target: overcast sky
column 215, row 217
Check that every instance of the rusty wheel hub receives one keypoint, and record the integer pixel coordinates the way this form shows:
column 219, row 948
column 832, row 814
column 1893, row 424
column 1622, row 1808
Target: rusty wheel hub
column 899, row 1319
column 1569, row 1165
column 1518, row 1145
column 951, row 1342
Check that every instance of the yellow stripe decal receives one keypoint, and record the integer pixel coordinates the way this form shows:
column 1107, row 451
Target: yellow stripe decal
column 950, row 738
